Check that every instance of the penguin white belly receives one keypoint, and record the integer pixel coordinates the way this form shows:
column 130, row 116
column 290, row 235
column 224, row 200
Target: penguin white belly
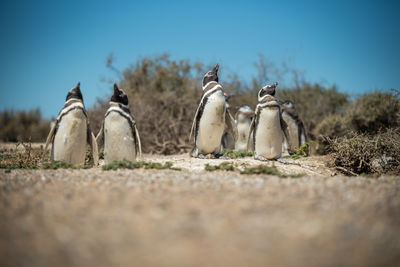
column 119, row 143
column 70, row 139
column 293, row 130
column 212, row 124
column 243, row 135
column 269, row 135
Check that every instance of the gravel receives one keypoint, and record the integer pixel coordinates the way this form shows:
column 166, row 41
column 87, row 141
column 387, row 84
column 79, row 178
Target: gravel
column 197, row 218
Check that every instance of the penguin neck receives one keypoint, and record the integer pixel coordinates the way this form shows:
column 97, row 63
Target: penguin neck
column 266, row 98
column 211, row 87
column 292, row 113
column 71, row 101
column 120, row 105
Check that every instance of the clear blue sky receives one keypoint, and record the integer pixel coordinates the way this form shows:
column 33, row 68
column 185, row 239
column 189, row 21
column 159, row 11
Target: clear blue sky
column 48, row 46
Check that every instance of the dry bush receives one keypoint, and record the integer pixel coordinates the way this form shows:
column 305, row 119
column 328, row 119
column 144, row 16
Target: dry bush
column 374, row 111
column 163, row 96
column 364, row 153
column 23, row 155
column 314, row 103
column 23, row 126
column 96, row 115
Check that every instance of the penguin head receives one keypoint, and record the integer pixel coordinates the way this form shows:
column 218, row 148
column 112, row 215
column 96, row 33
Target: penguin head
column 288, row 104
column 269, row 89
column 75, row 93
column 119, row 96
column 244, row 113
column 211, row 76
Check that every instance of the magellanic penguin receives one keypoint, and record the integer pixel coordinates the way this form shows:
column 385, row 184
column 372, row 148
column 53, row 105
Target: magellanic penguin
column 296, row 128
column 210, row 118
column 268, row 127
column 71, row 132
column 119, row 134
column 230, row 134
column 243, row 118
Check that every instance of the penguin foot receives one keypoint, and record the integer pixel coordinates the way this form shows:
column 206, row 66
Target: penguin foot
column 287, row 161
column 207, row 156
column 221, row 156
column 258, row 157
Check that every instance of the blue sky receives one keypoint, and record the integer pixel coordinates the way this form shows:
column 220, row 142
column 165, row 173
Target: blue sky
column 48, row 46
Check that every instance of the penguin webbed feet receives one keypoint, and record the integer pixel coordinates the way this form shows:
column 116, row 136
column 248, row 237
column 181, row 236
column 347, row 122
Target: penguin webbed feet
column 261, row 158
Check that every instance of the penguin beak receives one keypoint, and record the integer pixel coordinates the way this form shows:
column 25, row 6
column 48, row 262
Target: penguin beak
column 77, row 88
column 216, row 68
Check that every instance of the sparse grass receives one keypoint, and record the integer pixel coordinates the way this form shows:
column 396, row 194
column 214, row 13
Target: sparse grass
column 263, row 169
column 224, row 166
column 259, row 169
column 236, row 154
column 139, row 164
column 54, row 165
column 28, row 158
column 302, row 151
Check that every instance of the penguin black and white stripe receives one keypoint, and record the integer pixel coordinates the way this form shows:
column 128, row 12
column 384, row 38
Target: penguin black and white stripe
column 209, row 121
column 268, row 127
column 296, row 127
column 71, row 132
column 119, row 134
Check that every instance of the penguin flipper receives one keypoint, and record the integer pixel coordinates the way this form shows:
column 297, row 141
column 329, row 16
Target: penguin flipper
column 138, row 143
column 253, row 121
column 303, row 134
column 95, row 150
column 100, row 137
column 195, row 119
column 230, row 122
column 284, row 128
column 91, row 140
column 50, row 138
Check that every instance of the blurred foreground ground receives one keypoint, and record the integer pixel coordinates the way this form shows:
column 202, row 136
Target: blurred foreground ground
column 197, row 218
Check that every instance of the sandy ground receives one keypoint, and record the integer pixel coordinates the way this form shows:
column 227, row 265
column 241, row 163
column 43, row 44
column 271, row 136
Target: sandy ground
column 198, row 218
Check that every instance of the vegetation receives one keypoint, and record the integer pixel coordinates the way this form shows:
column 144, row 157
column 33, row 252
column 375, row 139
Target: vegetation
column 164, row 95
column 139, row 164
column 23, row 126
column 224, row 166
column 244, row 169
column 302, row 151
column 23, row 156
column 237, row 154
column 263, row 169
column 366, row 153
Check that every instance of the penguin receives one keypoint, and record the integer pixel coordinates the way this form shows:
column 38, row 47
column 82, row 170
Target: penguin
column 267, row 127
column 230, row 134
column 71, row 132
column 118, row 134
column 209, row 121
column 296, row 128
column 243, row 118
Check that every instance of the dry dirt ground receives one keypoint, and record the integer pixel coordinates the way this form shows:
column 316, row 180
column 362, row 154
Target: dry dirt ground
column 197, row 218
